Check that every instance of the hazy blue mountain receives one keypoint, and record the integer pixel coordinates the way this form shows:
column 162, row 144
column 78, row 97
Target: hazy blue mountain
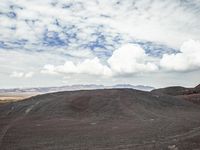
column 74, row 88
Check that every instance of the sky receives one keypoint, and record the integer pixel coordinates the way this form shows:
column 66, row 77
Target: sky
column 64, row 42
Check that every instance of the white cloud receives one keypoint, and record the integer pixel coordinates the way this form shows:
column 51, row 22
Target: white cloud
column 49, row 69
column 84, row 30
column 16, row 74
column 149, row 20
column 129, row 59
column 187, row 59
column 132, row 59
column 88, row 66
column 29, row 74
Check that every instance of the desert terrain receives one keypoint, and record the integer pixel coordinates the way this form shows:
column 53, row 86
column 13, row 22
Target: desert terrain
column 13, row 97
column 105, row 119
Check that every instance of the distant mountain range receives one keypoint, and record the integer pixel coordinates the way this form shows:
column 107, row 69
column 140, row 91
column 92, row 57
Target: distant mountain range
column 74, row 88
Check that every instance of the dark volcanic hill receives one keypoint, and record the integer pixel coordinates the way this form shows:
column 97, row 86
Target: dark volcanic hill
column 189, row 94
column 197, row 88
column 114, row 119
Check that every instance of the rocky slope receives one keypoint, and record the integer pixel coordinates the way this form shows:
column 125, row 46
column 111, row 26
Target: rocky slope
column 100, row 119
column 189, row 94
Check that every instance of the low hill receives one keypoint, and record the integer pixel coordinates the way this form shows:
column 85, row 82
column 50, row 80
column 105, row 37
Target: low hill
column 189, row 94
column 109, row 119
column 197, row 88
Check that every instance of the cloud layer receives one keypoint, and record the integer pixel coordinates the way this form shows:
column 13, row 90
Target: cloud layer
column 88, row 66
column 188, row 59
column 21, row 74
column 131, row 59
column 90, row 38
column 127, row 60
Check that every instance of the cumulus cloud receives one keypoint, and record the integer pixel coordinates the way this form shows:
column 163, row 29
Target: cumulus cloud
column 187, row 59
column 49, row 69
column 128, row 59
column 88, row 66
column 29, row 74
column 131, row 59
column 16, row 74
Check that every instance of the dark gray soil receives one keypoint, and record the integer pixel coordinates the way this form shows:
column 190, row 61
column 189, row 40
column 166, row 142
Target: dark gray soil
column 188, row 94
column 115, row 119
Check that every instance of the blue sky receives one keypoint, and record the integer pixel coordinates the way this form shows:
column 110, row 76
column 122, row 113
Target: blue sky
column 53, row 43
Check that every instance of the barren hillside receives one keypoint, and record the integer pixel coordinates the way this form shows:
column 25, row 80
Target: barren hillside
column 100, row 119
